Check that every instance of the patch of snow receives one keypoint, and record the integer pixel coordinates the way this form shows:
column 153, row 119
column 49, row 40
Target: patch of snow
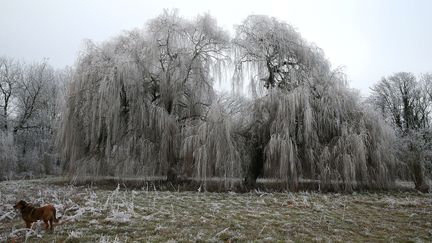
column 118, row 217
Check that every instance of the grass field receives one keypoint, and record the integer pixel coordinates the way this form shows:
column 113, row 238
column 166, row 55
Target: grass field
column 92, row 214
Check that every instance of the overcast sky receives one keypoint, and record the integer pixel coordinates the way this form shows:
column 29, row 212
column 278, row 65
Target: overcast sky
column 370, row 38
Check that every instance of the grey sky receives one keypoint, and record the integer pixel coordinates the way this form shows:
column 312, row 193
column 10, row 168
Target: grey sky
column 370, row 38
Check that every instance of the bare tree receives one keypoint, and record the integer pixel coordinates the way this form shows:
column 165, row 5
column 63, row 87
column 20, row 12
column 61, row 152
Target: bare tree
column 406, row 102
column 10, row 76
column 33, row 95
column 29, row 96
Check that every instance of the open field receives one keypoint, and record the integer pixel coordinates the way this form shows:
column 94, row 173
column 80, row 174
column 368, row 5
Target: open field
column 101, row 214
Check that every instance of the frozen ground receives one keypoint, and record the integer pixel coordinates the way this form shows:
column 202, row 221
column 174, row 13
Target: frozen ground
column 91, row 214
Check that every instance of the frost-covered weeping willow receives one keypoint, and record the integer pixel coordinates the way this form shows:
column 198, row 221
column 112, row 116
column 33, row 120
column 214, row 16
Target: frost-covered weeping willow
column 306, row 123
column 134, row 98
column 143, row 104
column 327, row 137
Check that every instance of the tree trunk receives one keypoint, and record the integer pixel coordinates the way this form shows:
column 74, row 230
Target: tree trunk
column 172, row 165
column 172, row 172
column 420, row 181
column 256, row 166
column 5, row 115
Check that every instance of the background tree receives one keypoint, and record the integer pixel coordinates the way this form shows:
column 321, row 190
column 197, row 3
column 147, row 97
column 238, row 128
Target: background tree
column 406, row 103
column 30, row 111
column 11, row 73
column 34, row 125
